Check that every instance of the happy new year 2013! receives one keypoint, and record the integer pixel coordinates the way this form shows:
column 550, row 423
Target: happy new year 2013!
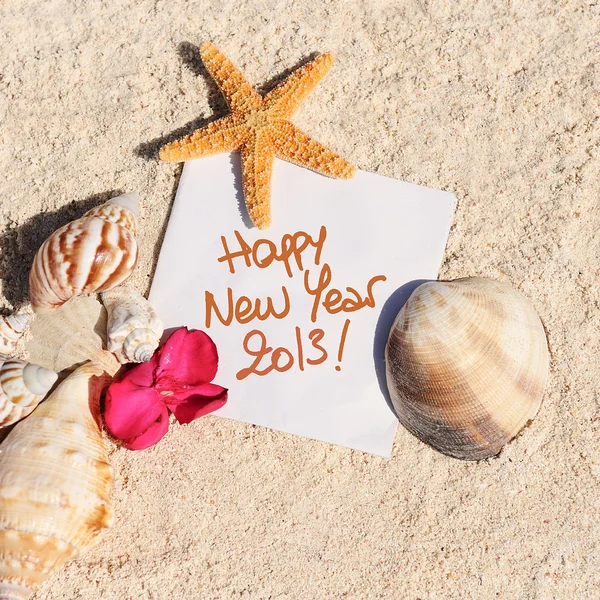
column 294, row 251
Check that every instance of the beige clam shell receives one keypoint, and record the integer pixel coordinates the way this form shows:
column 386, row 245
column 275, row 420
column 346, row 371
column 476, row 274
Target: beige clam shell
column 70, row 335
column 55, row 483
column 467, row 365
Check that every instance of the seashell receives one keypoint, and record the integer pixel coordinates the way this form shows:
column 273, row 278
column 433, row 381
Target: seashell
column 91, row 254
column 134, row 329
column 466, row 365
column 55, row 483
column 11, row 329
column 67, row 336
column 22, row 388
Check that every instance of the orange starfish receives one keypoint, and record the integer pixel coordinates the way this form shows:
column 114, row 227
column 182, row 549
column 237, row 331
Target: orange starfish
column 259, row 128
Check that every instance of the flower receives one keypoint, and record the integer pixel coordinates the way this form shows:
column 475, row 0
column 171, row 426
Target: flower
column 177, row 378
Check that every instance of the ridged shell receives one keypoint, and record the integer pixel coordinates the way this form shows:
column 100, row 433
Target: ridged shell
column 66, row 337
column 91, row 254
column 466, row 364
column 22, row 387
column 12, row 328
column 55, row 483
column 134, row 329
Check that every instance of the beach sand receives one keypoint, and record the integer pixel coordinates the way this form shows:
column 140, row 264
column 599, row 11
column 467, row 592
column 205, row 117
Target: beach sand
column 496, row 102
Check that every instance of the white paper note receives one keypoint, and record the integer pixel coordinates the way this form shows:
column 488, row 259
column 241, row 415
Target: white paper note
column 337, row 263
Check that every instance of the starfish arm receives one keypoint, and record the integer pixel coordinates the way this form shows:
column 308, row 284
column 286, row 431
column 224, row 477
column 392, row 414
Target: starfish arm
column 293, row 145
column 257, row 168
column 223, row 135
column 239, row 94
column 290, row 93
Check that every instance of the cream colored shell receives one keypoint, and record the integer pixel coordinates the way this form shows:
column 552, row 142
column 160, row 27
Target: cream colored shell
column 91, row 254
column 22, row 387
column 134, row 329
column 55, row 483
column 70, row 335
column 466, row 364
column 12, row 328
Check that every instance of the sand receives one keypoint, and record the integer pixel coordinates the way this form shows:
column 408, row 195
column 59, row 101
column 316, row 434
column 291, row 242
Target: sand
column 496, row 102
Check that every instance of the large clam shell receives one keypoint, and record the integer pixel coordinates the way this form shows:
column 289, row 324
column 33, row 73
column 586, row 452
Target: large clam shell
column 466, row 365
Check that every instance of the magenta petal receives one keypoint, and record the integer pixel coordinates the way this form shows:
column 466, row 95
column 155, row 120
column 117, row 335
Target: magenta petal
column 152, row 435
column 180, row 393
column 198, row 405
column 143, row 373
column 188, row 358
column 130, row 410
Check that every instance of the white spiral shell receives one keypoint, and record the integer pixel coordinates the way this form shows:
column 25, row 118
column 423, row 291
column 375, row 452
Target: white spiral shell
column 134, row 329
column 22, row 387
column 91, row 254
column 12, row 328
column 55, row 483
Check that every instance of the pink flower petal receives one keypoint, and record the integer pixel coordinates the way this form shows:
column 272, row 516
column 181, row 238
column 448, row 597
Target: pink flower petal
column 153, row 434
column 130, row 410
column 188, row 358
column 142, row 374
column 198, row 405
column 181, row 393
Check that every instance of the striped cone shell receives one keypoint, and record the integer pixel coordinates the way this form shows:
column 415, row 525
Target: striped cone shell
column 22, row 387
column 466, row 365
column 92, row 254
column 55, row 483
column 12, row 328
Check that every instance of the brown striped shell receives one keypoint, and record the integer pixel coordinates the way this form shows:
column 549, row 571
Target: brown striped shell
column 92, row 254
column 12, row 328
column 466, row 364
column 22, row 387
column 55, row 483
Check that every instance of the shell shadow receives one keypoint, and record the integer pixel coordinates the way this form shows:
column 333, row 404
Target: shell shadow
column 388, row 315
column 19, row 244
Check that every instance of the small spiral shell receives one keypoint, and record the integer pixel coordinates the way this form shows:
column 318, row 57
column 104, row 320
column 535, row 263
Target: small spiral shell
column 22, row 388
column 92, row 254
column 55, row 483
column 134, row 329
column 11, row 329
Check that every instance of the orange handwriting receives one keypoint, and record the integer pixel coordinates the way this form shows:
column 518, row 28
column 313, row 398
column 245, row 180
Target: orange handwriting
column 244, row 309
column 334, row 301
column 264, row 252
column 279, row 359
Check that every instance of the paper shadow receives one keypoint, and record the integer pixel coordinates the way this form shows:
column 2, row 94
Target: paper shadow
column 19, row 244
column 236, row 168
column 388, row 314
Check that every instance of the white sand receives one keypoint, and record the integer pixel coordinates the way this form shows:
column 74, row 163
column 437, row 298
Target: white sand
column 497, row 102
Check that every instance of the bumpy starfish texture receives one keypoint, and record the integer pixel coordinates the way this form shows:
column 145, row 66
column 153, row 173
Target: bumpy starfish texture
column 258, row 127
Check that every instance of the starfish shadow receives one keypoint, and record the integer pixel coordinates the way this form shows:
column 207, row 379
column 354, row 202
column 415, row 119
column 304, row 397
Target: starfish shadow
column 19, row 244
column 388, row 315
column 272, row 83
column 190, row 55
